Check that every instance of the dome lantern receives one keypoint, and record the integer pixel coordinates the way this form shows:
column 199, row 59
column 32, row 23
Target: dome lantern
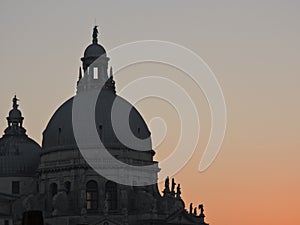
column 94, row 65
column 93, row 51
column 15, row 119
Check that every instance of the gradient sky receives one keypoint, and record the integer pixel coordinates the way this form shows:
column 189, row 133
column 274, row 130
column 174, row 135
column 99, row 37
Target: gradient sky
column 253, row 48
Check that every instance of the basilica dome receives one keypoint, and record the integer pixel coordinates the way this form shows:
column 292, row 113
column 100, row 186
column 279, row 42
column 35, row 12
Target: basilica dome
column 59, row 135
column 19, row 154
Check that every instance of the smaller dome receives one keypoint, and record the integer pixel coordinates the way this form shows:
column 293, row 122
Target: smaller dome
column 94, row 50
column 19, row 155
column 15, row 114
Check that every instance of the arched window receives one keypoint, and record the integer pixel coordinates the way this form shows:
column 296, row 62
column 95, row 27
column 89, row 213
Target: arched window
column 67, row 185
column 53, row 189
column 91, row 195
column 111, row 195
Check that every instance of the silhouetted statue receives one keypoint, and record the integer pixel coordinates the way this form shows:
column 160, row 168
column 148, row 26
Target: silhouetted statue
column 95, row 34
column 167, row 186
column 167, row 183
column 173, row 186
column 15, row 102
column 201, row 209
column 178, row 193
column 195, row 211
column 191, row 208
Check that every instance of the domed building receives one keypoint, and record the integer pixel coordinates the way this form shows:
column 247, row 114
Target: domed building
column 19, row 160
column 68, row 187
column 19, row 154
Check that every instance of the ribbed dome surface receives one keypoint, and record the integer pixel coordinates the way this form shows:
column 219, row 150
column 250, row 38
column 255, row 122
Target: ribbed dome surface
column 59, row 135
column 19, row 156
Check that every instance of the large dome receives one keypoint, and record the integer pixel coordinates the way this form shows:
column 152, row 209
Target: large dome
column 59, row 135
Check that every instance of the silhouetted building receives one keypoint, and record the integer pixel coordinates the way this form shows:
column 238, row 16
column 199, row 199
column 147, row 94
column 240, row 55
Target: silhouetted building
column 57, row 180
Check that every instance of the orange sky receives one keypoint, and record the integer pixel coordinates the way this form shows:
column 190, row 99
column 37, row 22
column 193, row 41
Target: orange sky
column 252, row 47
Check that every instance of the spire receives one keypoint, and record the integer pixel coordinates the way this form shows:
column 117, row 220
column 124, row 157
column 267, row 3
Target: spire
column 173, row 187
column 79, row 76
column 178, row 193
column 201, row 207
column 111, row 72
column 80, row 73
column 191, row 208
column 95, row 35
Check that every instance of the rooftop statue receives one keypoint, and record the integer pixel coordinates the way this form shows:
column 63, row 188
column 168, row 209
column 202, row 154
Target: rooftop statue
column 15, row 102
column 95, row 34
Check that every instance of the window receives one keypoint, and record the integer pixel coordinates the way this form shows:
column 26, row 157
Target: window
column 111, row 195
column 15, row 187
column 95, row 73
column 92, row 195
column 53, row 189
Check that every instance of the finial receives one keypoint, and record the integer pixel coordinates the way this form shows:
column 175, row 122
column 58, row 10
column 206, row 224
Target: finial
column 178, row 193
column 166, row 191
column 80, row 74
column 15, row 102
column 111, row 72
column 191, row 208
column 167, row 183
column 173, row 186
column 201, row 207
column 95, row 34
column 195, row 211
